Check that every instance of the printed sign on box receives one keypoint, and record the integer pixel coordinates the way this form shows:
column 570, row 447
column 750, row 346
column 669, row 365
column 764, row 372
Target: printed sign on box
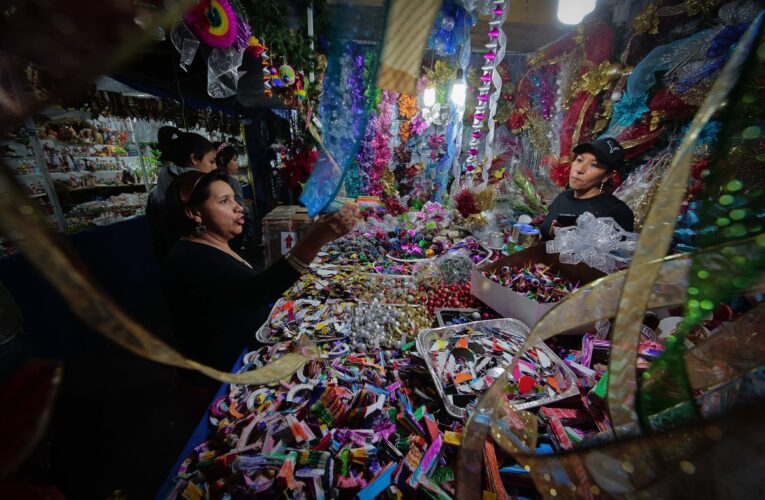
column 288, row 241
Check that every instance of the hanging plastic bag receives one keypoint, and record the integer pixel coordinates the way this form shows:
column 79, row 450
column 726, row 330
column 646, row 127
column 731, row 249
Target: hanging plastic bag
column 186, row 43
column 223, row 72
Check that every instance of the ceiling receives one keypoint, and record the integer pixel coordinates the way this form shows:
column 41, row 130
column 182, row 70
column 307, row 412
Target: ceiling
column 530, row 25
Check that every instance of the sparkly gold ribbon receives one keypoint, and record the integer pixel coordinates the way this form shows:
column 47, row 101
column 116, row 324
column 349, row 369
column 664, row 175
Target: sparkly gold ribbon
column 653, row 244
column 580, row 120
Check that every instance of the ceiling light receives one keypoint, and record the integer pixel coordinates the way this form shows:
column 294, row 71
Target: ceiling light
column 574, row 11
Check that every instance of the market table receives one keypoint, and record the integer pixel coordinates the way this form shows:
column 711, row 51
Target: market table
column 200, row 434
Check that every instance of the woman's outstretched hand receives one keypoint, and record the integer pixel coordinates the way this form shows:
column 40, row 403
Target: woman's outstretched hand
column 326, row 228
column 333, row 226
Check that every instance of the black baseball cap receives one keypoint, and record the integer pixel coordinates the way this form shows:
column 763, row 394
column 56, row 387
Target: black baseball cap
column 607, row 150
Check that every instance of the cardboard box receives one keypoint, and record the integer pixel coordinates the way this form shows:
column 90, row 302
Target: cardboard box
column 516, row 305
column 282, row 229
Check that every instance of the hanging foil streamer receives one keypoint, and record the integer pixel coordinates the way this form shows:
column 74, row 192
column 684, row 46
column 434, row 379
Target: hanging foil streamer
column 496, row 80
column 406, row 36
column 186, row 43
column 223, row 72
column 455, row 144
column 495, row 54
column 454, row 130
column 343, row 110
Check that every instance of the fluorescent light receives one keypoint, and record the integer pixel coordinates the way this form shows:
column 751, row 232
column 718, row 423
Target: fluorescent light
column 574, row 11
column 459, row 91
column 429, row 97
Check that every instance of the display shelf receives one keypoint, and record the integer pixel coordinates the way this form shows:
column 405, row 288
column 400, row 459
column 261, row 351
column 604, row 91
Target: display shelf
column 107, row 186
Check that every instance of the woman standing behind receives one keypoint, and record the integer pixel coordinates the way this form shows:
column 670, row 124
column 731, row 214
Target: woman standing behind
column 227, row 160
column 181, row 152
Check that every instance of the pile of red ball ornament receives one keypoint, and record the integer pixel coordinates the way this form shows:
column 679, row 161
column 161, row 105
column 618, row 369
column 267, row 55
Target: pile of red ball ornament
column 455, row 296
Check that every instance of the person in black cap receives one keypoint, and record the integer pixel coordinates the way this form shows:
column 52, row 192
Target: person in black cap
column 588, row 182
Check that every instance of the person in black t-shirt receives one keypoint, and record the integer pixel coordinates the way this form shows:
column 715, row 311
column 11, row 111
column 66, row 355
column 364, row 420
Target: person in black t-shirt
column 215, row 296
column 591, row 171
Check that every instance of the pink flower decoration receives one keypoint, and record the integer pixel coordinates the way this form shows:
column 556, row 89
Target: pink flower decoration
column 418, row 125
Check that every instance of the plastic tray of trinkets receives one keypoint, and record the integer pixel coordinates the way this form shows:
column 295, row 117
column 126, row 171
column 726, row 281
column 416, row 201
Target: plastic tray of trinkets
column 512, row 330
column 487, row 252
column 443, row 316
column 268, row 334
column 397, row 281
column 383, row 331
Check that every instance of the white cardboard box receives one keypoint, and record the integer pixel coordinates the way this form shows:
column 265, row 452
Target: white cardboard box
column 511, row 304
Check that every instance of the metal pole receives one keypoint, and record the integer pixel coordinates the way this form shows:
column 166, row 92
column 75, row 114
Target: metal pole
column 42, row 167
column 140, row 154
column 309, row 14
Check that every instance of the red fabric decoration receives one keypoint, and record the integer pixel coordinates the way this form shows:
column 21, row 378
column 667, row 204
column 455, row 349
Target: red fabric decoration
column 517, row 120
column 599, row 43
column 465, row 202
column 616, row 179
column 671, row 106
column 394, row 207
column 298, row 168
column 643, row 138
column 559, row 173
column 571, row 122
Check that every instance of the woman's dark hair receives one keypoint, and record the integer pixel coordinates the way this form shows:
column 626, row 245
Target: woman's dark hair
column 224, row 155
column 190, row 190
column 178, row 147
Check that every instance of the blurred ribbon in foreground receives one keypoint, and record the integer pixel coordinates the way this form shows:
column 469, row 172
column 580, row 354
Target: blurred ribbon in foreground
column 656, row 463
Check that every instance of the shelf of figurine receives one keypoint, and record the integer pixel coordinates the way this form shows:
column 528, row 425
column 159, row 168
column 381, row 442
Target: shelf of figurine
column 84, row 180
column 81, row 133
column 104, row 212
column 78, row 158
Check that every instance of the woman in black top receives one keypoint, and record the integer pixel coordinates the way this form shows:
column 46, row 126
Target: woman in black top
column 214, row 295
column 592, row 168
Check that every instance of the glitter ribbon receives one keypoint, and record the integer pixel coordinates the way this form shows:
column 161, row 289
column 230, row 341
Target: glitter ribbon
column 343, row 109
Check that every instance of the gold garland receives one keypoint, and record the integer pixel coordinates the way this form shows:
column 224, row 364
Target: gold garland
column 580, row 120
column 485, row 200
column 441, row 73
column 537, row 129
column 597, row 80
column 647, row 21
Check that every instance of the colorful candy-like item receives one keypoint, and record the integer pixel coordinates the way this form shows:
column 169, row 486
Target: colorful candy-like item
column 536, row 281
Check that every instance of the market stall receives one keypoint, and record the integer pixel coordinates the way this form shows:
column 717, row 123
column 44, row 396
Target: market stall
column 423, row 308
column 465, row 340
